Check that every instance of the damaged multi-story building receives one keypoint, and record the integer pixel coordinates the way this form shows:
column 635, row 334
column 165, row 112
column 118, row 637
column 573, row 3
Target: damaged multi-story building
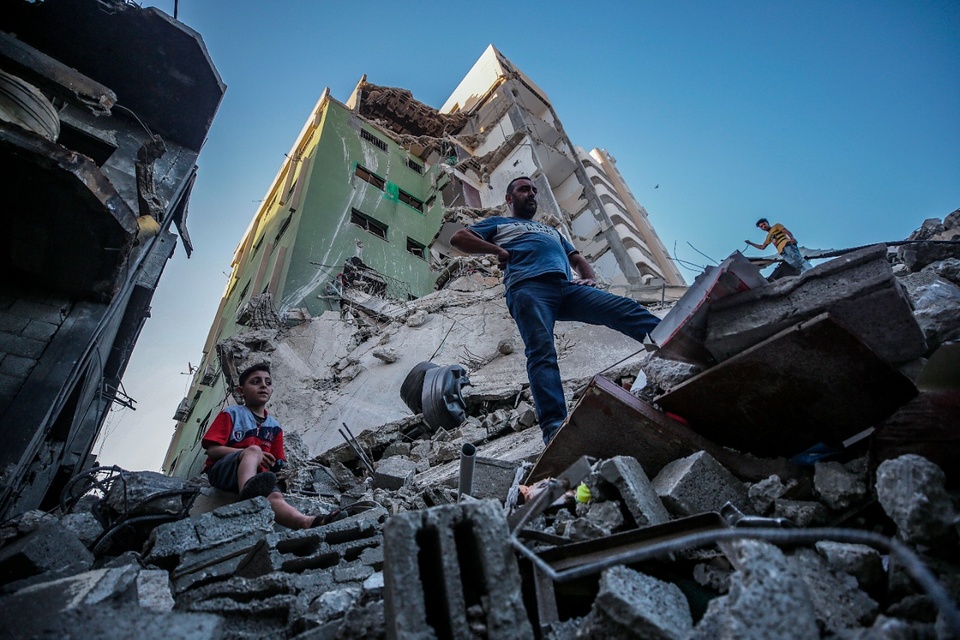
column 104, row 107
column 361, row 211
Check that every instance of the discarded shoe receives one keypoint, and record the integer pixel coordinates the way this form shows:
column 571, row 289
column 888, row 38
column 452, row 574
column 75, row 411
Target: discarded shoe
column 261, row 484
column 327, row 518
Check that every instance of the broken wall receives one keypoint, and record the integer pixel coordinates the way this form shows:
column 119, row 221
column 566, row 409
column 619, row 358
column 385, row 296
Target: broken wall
column 89, row 217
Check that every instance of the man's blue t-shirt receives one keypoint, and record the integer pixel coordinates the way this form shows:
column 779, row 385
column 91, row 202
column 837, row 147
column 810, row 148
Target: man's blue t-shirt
column 535, row 249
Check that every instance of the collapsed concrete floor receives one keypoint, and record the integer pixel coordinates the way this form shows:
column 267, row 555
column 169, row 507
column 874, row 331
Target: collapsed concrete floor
column 674, row 511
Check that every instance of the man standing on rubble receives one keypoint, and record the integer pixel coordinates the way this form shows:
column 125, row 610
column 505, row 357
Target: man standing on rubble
column 537, row 264
column 785, row 243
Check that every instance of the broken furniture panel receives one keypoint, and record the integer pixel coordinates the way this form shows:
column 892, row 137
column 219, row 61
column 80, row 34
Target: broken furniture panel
column 608, row 421
column 929, row 426
column 681, row 333
column 815, row 382
column 858, row 290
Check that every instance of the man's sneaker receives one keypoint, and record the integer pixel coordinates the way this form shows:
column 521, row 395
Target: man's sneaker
column 261, row 484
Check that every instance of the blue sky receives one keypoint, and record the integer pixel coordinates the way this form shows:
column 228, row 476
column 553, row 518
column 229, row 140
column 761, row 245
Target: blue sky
column 839, row 119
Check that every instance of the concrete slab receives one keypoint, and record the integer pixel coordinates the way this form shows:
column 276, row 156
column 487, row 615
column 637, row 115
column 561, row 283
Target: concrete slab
column 681, row 333
column 607, row 422
column 859, row 290
column 812, row 383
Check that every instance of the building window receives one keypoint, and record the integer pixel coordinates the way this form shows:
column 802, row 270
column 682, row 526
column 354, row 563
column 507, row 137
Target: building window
column 368, row 176
column 410, row 201
column 416, row 248
column 416, row 166
column 202, row 430
column 367, row 223
column 256, row 247
column 283, row 228
column 243, row 293
column 374, row 140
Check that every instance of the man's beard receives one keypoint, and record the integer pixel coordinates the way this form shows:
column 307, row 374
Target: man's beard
column 526, row 210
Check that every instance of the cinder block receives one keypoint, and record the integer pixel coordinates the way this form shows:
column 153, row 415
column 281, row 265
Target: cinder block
column 394, row 473
column 449, row 571
column 859, row 291
column 228, row 531
column 697, row 484
column 632, row 604
column 638, row 494
column 318, row 548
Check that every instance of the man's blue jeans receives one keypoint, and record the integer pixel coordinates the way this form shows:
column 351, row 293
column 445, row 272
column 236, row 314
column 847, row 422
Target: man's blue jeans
column 792, row 256
column 536, row 305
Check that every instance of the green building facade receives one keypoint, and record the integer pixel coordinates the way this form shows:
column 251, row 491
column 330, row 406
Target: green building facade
column 348, row 192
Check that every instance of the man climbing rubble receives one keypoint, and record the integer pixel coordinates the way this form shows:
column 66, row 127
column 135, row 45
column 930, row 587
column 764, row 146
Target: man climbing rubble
column 537, row 263
column 785, row 244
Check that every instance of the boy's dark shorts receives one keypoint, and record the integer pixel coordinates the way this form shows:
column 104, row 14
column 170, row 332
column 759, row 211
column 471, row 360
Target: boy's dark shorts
column 223, row 473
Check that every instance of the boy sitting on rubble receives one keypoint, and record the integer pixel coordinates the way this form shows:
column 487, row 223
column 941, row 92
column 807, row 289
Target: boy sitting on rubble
column 245, row 448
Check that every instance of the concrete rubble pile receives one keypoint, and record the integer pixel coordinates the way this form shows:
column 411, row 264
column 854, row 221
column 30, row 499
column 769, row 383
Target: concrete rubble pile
column 790, row 475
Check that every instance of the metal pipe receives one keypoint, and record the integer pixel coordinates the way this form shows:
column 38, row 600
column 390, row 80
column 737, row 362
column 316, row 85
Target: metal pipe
column 468, row 460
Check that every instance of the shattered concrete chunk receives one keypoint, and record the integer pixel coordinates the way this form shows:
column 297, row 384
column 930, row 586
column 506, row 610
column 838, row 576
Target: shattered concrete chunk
column 838, row 488
column 50, row 549
column 417, row 318
column 334, row 604
column 837, row 601
column 889, row 628
column 912, row 491
column 763, row 494
column 634, row 605
column 44, row 608
column 84, row 525
column 664, row 374
column 862, row 562
column 638, row 494
column 936, row 303
column 713, row 575
column 526, row 415
column 387, row 355
column 803, row 513
column 698, row 483
column 153, row 590
column 767, row 599
column 133, row 494
column 394, row 472
column 599, row 520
